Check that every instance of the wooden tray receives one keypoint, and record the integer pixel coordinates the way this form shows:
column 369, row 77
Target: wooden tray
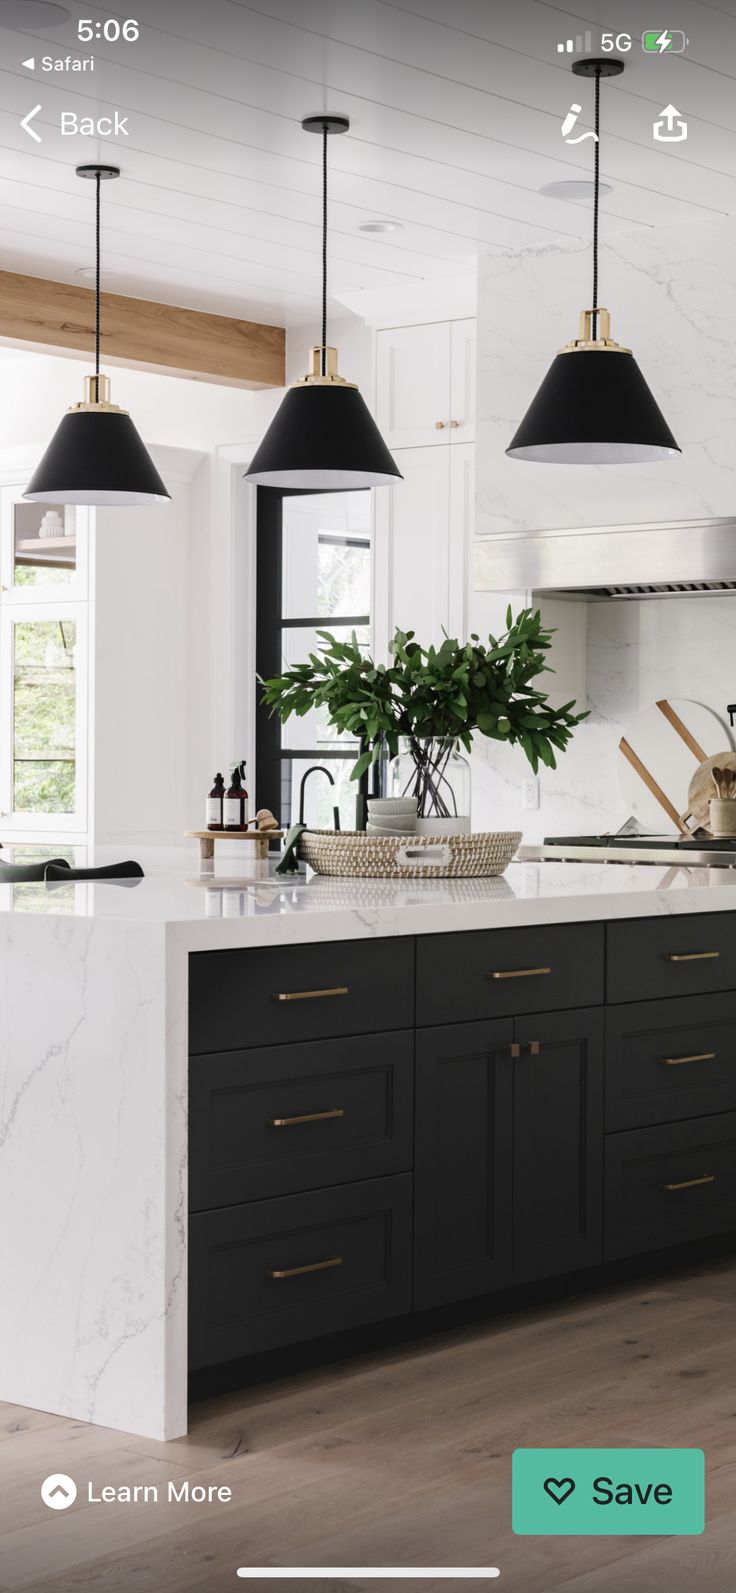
column 207, row 840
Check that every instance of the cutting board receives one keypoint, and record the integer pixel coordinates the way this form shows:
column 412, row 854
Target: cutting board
column 659, row 753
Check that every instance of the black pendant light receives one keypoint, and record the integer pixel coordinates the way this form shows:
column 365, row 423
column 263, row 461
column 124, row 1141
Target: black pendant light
column 323, row 436
column 594, row 406
column 96, row 455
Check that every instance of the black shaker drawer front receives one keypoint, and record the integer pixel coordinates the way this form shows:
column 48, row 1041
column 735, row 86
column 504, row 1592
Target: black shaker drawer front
column 667, row 1185
column 287, row 1118
column 670, row 1059
column 679, row 956
column 280, row 1271
column 502, row 972
column 267, row 997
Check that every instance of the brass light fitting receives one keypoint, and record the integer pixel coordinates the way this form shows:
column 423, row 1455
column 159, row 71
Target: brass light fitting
column 600, row 321
column 329, row 377
column 96, row 398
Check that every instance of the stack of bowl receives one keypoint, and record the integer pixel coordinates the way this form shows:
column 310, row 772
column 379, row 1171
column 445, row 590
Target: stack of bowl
column 392, row 816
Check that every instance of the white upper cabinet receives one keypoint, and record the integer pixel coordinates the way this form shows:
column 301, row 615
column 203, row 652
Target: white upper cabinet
column 422, row 532
column 462, row 381
column 425, row 384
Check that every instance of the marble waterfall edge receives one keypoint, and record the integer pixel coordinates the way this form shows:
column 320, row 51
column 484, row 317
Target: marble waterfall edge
column 93, row 1173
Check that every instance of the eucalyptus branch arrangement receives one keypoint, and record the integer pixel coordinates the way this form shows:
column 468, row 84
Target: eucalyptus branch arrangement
column 444, row 693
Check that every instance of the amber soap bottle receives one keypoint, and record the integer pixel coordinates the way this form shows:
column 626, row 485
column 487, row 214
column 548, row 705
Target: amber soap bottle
column 214, row 804
column 234, row 806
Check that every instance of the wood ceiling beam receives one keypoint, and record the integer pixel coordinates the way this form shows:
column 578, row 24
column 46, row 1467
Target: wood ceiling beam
column 136, row 332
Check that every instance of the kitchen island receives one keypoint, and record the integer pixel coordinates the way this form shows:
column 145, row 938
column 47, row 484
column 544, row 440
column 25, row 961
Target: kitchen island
column 97, row 1043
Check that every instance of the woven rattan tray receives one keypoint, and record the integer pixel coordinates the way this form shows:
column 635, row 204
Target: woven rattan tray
column 352, row 853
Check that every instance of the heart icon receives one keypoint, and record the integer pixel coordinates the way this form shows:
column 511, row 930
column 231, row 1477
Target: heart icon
column 559, row 1488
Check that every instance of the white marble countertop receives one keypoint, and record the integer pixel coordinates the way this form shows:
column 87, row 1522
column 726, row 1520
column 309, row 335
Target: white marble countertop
column 246, row 904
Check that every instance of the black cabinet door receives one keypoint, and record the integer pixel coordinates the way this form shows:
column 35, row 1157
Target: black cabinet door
column 285, row 1118
column 670, row 1184
column 558, row 1143
column 462, row 1161
column 277, row 1272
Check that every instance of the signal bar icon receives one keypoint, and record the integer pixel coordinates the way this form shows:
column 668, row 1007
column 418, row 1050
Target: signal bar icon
column 583, row 43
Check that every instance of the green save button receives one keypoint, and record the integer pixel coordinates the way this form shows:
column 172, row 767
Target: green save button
column 594, row 1492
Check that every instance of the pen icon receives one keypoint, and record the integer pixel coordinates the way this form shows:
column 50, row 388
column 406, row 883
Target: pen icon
column 569, row 123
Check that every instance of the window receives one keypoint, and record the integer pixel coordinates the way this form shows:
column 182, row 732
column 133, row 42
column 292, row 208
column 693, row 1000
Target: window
column 315, row 572
column 43, row 652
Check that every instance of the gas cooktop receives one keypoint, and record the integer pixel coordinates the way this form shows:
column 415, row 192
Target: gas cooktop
column 692, row 851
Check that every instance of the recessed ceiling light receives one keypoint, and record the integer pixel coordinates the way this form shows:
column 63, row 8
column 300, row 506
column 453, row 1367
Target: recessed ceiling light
column 577, row 188
column 379, row 226
column 26, row 16
column 90, row 272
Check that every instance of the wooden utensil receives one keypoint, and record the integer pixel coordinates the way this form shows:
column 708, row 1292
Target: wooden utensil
column 702, row 788
column 660, row 750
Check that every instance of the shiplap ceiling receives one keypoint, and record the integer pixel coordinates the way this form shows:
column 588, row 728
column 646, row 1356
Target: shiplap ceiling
column 455, row 115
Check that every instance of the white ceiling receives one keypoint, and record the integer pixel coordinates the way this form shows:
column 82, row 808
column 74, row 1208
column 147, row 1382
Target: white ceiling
column 455, row 126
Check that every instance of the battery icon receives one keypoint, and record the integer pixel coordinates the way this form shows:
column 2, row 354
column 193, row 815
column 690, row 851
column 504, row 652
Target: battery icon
column 669, row 41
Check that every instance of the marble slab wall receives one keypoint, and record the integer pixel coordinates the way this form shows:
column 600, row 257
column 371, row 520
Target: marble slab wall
column 635, row 653
column 672, row 295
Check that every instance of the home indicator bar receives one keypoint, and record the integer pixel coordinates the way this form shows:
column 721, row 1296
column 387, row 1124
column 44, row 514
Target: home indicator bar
column 349, row 1572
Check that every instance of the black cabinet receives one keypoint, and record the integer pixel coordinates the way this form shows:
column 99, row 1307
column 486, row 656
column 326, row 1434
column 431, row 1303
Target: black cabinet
column 495, row 973
column 682, row 955
column 667, row 1185
column 558, row 1144
column 670, row 1059
column 278, row 1120
column 385, row 1126
column 462, row 1161
column 509, row 1153
column 277, row 1271
column 272, row 996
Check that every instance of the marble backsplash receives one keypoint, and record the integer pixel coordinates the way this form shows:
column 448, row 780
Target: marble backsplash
column 672, row 296
column 632, row 654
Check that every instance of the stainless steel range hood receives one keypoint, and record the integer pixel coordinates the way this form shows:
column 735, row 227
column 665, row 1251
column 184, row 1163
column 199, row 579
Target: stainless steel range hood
column 681, row 558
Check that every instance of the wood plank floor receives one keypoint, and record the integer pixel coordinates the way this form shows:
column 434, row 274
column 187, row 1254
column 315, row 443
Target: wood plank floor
column 403, row 1457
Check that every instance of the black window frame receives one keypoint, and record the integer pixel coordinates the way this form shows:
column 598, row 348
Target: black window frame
column 273, row 760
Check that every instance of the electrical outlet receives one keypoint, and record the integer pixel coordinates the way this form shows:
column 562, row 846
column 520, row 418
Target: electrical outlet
column 530, row 792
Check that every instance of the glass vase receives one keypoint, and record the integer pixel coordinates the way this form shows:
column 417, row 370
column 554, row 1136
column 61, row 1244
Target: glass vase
column 434, row 770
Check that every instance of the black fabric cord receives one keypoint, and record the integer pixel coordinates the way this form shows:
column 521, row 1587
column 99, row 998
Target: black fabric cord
column 596, row 200
column 324, row 251
column 97, row 279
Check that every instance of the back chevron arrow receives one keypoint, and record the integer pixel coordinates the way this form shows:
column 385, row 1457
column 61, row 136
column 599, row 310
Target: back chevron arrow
column 25, row 124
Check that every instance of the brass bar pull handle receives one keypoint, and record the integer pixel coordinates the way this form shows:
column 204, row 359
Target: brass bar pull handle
column 677, row 1061
column 534, row 1048
column 519, row 973
column 690, row 956
column 306, row 1117
column 310, row 995
column 298, row 1272
column 689, row 1183
column 515, row 1050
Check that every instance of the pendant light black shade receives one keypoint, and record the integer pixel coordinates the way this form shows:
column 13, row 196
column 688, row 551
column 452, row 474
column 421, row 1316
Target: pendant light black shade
column 96, row 455
column 323, row 436
column 594, row 406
